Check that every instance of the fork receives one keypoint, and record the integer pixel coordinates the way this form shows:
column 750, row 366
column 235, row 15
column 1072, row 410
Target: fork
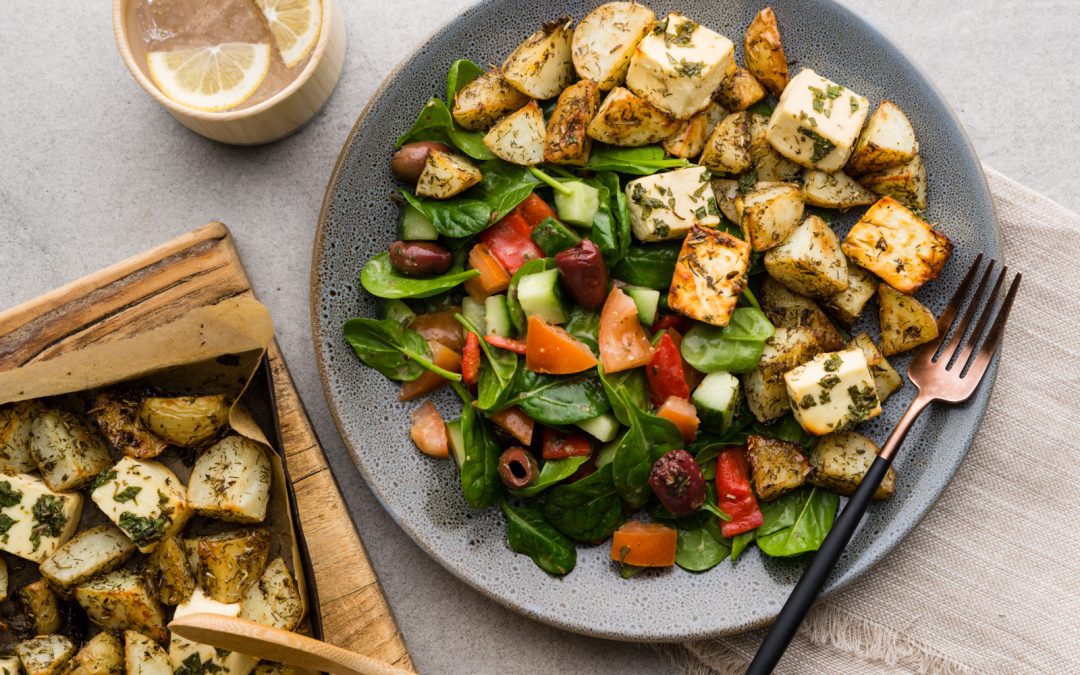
column 941, row 371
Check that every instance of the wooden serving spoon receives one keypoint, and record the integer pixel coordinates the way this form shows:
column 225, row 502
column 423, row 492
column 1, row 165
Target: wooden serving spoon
column 272, row 644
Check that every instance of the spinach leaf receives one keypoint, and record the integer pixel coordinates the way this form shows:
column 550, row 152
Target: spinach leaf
column 517, row 315
column 797, row 522
column 740, row 541
column 703, row 548
column 435, row 123
column 638, row 161
column 497, row 372
column 553, row 471
column 395, row 351
column 584, row 324
column 381, row 280
column 480, row 481
column 462, row 72
column 586, row 510
column 530, row 533
column 611, row 224
column 735, row 348
column 626, row 390
column 558, row 401
column 762, row 107
column 784, row 429
column 649, row 265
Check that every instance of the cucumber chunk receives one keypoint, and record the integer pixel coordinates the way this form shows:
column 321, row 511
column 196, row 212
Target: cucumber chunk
column 577, row 206
column 475, row 312
column 415, row 226
column 541, row 295
column 497, row 316
column 603, row 427
column 646, row 300
column 456, row 441
column 552, row 236
column 717, row 399
column 398, row 311
column 606, row 454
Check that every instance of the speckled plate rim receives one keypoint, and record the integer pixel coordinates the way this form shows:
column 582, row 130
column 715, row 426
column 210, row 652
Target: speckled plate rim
column 890, row 539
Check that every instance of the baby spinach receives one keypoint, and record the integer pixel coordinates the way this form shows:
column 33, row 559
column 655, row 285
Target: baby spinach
column 395, row 351
column 462, row 72
column 517, row 315
column 529, row 533
column 480, row 481
column 702, row 548
column 735, row 348
column 740, row 541
column 558, row 401
column 584, row 324
column 626, row 390
column 381, row 280
column 638, row 161
column 797, row 522
column 496, row 372
column 785, row 429
column 554, row 471
column 611, row 224
column 435, row 123
column 587, row 510
column 649, row 265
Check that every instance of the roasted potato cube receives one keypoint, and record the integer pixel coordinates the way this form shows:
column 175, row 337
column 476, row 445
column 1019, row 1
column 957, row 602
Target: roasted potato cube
column 16, row 423
column 688, row 141
column 204, row 658
column 905, row 322
column 666, row 205
column 764, row 52
column 839, row 461
column 816, row 122
column 232, row 561
column 764, row 386
column 709, row 275
column 566, row 140
column 905, row 183
column 45, row 654
column 274, row 600
column 887, row 141
column 102, row 655
column 769, row 213
column 726, row 190
column 117, row 417
column 42, row 606
column 897, row 246
column 766, row 163
column 144, row 498
column 834, row 190
column 886, row 379
column 231, row 481
column 541, row 66
column 728, row 148
column 143, row 656
column 67, row 451
column 121, row 600
column 485, row 100
column 90, row 552
column 739, row 90
column 604, row 41
column 10, row 665
column 170, row 573
column 832, row 391
column 518, row 138
column 809, row 261
column 847, row 305
column 629, row 120
column 3, row 580
column 777, row 466
column 187, row 421
column 446, row 175
column 792, row 310
column 34, row 520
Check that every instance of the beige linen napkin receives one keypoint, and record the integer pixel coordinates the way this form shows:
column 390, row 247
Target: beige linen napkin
column 990, row 580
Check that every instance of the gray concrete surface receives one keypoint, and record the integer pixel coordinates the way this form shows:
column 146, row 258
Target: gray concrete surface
column 91, row 171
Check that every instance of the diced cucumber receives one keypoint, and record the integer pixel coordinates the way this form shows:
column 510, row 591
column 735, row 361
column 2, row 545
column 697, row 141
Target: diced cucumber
column 717, row 399
column 552, row 236
column 540, row 294
column 475, row 312
column 603, row 427
column 415, row 226
column 578, row 204
column 646, row 300
column 606, row 454
column 456, row 441
column 398, row 311
column 497, row 316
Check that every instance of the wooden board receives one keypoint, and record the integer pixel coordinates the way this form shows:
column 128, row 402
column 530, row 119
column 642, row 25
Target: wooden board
column 203, row 268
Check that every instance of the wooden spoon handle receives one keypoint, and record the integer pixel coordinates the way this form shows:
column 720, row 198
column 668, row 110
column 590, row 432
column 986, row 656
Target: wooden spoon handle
column 272, row 644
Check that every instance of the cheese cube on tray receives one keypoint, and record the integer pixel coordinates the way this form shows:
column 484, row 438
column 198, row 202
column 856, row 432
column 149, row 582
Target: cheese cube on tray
column 183, row 652
column 666, row 205
column 34, row 520
column 817, row 122
column 832, row 391
column 144, row 499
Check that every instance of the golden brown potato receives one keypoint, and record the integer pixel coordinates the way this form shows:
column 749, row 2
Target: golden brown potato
column 231, row 481
column 840, row 460
column 626, row 119
column 728, row 148
column 273, row 601
column 45, row 654
column 764, row 52
column 765, row 390
column 566, row 140
column 102, row 655
column 834, row 190
column 89, row 553
column 117, row 417
column 886, row 379
column 541, row 66
column 446, row 175
column 726, row 191
column 769, row 213
column 777, row 466
column 518, row 138
column 16, row 422
column 143, row 656
column 898, row 246
column 42, row 606
column 232, row 561
column 847, row 305
column 605, row 40
column 791, row 310
column 905, row 183
column 809, row 261
column 766, row 163
column 905, row 322
column 121, row 600
column 67, row 450
column 482, row 102
column 887, row 141
column 739, row 91
column 170, row 573
column 689, row 139
column 187, row 421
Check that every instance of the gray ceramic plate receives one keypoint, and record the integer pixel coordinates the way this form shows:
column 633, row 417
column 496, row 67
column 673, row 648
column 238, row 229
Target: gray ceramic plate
column 423, row 496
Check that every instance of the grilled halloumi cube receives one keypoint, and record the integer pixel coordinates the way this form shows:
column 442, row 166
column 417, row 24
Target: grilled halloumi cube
column 117, row 418
column 688, row 141
column 45, row 654
column 121, row 600
column 834, row 190
column 143, row 656
column 887, row 141
column 726, row 191
column 16, row 422
column 810, row 261
column 626, row 119
column 905, row 322
column 816, row 122
column 679, row 65
column 67, row 450
column 446, row 175
column 566, row 140
column 34, row 520
column 766, row 163
column 839, row 461
column 710, row 274
column 728, row 148
column 898, row 246
column 666, row 205
column 170, row 572
column 739, row 90
column 905, row 183
column 231, row 481
column 42, row 607
column 102, row 655
column 766, row 393
column 604, row 41
column 764, row 52
column 833, row 391
column 192, row 654
column 769, row 213
column 886, row 379
column 228, row 563
column 90, row 552
column 518, row 138
column 144, row 499
column 791, row 310
column 847, row 305
column 541, row 66
column 777, row 466
column 485, row 100
column 274, row 600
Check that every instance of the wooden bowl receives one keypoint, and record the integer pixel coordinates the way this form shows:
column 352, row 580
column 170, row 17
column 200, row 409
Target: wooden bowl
column 272, row 119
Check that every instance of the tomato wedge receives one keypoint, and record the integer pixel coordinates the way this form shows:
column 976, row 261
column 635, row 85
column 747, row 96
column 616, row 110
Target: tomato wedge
column 558, row 445
column 493, row 277
column 429, row 432
column 623, row 344
column 693, row 377
column 733, row 494
column 644, row 544
column 442, row 327
column 682, row 414
column 665, row 372
column 510, row 242
column 509, row 344
column 534, row 210
column 550, row 349
column 442, row 356
column 516, row 423
column 470, row 360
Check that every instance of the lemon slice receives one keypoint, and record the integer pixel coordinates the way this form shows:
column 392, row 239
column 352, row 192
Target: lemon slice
column 294, row 24
column 211, row 78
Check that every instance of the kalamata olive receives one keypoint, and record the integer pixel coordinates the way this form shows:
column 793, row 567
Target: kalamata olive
column 584, row 273
column 420, row 258
column 517, row 468
column 677, row 481
column 408, row 161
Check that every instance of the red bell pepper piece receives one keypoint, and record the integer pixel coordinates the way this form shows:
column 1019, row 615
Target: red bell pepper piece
column 733, row 494
column 534, row 210
column 676, row 321
column 558, row 445
column 470, row 359
column 510, row 242
column 509, row 344
column 665, row 372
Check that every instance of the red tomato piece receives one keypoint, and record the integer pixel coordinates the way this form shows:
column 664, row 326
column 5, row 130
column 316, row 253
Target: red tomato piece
column 510, row 242
column 623, row 344
column 509, row 344
column 470, row 359
column 558, row 445
column 534, row 210
column 733, row 494
column 676, row 321
column 665, row 372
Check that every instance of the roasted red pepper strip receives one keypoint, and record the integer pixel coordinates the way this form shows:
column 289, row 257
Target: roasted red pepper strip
column 558, row 445
column 509, row 344
column 676, row 321
column 665, row 372
column 510, row 241
column 470, row 359
column 534, row 210
column 733, row 494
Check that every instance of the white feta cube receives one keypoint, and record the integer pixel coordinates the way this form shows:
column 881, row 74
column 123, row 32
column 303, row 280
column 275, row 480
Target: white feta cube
column 832, row 391
column 34, row 520
column 182, row 651
column 817, row 122
column 144, row 499
column 666, row 205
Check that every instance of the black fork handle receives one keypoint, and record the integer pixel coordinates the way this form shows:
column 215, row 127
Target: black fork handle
column 821, row 566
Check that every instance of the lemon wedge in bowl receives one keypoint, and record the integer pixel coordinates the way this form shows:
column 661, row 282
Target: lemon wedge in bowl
column 294, row 25
column 211, row 78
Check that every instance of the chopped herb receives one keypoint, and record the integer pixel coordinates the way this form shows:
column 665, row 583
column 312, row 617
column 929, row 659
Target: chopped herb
column 49, row 518
column 829, row 381
column 822, row 145
column 699, row 213
column 833, row 363
column 102, row 478
column 807, row 402
column 8, row 495
column 714, row 210
column 854, row 105
column 6, row 522
column 681, row 36
column 143, row 530
column 747, row 181
column 127, row 494
column 863, row 402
